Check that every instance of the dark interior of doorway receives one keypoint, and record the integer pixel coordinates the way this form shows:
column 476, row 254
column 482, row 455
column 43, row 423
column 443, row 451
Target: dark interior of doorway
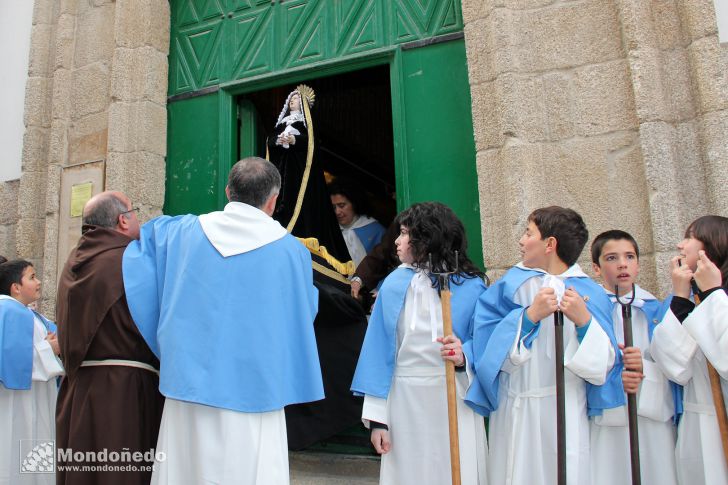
column 353, row 130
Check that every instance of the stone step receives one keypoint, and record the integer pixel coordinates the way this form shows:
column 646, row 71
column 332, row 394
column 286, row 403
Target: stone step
column 312, row 468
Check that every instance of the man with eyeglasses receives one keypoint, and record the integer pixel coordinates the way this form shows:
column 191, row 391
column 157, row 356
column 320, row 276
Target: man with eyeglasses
column 109, row 400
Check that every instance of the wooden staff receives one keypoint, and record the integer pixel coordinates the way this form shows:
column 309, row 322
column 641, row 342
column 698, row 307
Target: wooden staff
column 452, row 405
column 560, row 398
column 634, row 443
column 716, row 390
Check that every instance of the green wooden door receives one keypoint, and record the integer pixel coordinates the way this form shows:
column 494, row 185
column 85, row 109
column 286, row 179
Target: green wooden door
column 438, row 159
column 221, row 49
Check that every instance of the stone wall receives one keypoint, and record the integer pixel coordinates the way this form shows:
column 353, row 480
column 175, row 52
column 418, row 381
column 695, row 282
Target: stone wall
column 97, row 91
column 614, row 108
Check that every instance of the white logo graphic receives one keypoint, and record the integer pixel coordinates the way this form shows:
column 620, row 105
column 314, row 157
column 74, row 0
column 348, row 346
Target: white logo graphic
column 40, row 459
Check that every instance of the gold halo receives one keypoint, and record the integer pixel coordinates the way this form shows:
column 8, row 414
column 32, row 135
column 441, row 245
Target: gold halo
column 306, row 93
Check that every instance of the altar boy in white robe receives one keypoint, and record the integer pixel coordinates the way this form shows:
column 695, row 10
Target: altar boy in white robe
column 690, row 336
column 513, row 347
column 615, row 258
column 28, row 389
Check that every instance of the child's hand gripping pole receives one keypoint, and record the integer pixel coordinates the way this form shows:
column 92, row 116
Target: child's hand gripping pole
column 634, row 446
column 452, row 406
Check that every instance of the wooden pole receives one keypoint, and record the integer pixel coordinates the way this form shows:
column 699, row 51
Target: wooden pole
column 560, row 398
column 452, row 405
column 634, row 441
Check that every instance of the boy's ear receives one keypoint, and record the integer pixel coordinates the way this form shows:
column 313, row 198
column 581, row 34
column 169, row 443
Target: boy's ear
column 597, row 269
column 551, row 244
column 14, row 289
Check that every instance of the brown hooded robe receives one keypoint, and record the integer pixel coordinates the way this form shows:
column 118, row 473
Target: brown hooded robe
column 116, row 408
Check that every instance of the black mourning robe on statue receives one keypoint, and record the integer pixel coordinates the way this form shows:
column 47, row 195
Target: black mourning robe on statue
column 341, row 321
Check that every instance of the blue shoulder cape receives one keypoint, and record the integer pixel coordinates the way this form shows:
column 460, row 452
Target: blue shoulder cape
column 233, row 333
column 373, row 375
column 370, row 235
column 496, row 323
column 16, row 343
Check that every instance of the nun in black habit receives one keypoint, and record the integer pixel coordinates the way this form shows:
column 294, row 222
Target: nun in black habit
column 304, row 208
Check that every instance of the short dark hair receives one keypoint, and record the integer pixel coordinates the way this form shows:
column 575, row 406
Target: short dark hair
column 566, row 226
column 253, row 181
column 105, row 212
column 613, row 235
column 12, row 272
column 346, row 187
column 712, row 231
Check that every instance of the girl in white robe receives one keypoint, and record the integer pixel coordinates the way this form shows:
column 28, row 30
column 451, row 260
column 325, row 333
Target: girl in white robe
column 688, row 338
column 401, row 369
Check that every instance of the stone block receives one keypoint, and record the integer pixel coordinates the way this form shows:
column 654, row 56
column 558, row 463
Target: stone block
column 88, row 138
column 709, row 74
column 69, row 6
column 139, row 74
column 58, row 143
column 690, row 169
column 677, row 93
column 7, row 241
column 474, row 10
column 40, row 45
column 37, row 106
column 638, row 29
column 35, row 148
column 478, row 48
column 522, row 103
column 669, row 30
column 61, row 97
column 140, row 126
column 143, row 22
column 486, row 111
column 9, row 202
column 558, row 92
column 125, row 171
column 544, row 39
column 43, row 12
column 657, row 142
column 698, row 18
column 90, row 90
column 94, row 39
column 603, row 99
column 713, row 136
column 53, row 195
column 31, row 195
column 30, row 237
column 65, row 42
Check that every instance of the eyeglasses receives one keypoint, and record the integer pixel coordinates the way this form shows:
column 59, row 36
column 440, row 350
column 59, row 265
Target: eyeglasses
column 133, row 209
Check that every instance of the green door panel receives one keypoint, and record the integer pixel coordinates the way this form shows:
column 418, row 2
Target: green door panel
column 193, row 156
column 438, row 156
column 217, row 41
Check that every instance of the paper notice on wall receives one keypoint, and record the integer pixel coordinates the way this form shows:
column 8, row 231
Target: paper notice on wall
column 80, row 194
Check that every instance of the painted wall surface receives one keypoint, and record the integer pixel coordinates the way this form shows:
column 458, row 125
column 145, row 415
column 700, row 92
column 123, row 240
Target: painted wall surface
column 15, row 24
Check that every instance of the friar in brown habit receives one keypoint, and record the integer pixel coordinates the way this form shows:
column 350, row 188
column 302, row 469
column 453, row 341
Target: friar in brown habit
column 109, row 403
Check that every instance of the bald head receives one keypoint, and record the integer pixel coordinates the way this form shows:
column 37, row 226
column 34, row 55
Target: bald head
column 112, row 210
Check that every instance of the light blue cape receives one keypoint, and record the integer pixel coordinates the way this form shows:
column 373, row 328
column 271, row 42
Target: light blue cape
column 16, row 343
column 497, row 319
column 234, row 333
column 373, row 375
column 370, row 235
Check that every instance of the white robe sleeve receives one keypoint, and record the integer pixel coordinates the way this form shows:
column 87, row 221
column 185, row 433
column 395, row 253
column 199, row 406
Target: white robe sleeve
column 673, row 348
column 593, row 357
column 519, row 354
column 374, row 409
column 45, row 363
column 654, row 400
column 708, row 325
